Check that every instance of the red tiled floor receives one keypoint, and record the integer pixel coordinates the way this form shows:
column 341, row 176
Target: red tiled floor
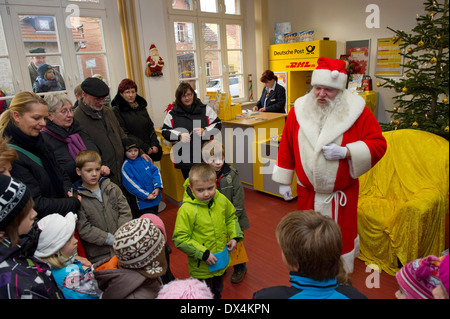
column 265, row 267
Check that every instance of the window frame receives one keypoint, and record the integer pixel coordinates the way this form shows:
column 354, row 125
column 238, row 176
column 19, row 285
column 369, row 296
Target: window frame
column 18, row 57
column 198, row 17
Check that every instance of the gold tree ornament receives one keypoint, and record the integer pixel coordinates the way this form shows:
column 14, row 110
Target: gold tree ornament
column 433, row 60
column 405, row 90
column 445, row 100
column 378, row 84
column 446, row 129
column 415, row 124
column 421, row 43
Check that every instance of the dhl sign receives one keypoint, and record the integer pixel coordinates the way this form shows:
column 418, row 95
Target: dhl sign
column 300, row 56
column 300, row 65
column 294, row 64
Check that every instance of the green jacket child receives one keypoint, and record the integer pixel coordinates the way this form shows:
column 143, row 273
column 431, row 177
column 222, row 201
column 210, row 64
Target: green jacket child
column 204, row 227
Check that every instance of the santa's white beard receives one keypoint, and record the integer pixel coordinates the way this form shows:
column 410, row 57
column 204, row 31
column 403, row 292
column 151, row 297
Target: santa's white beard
column 321, row 111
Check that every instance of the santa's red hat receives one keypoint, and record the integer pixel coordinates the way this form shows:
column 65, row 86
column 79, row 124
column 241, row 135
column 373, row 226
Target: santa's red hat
column 330, row 72
column 152, row 47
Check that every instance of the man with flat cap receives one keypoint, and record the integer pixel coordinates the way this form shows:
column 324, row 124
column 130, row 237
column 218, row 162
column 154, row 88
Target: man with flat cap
column 102, row 125
column 36, row 61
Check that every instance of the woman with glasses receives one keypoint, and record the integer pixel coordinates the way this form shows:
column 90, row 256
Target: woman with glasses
column 191, row 123
column 36, row 166
column 64, row 135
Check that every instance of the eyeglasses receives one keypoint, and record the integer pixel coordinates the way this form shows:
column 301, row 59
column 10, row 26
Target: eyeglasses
column 66, row 111
column 187, row 95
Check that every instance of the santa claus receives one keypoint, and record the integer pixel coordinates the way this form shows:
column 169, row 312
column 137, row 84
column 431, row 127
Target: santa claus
column 329, row 140
column 154, row 62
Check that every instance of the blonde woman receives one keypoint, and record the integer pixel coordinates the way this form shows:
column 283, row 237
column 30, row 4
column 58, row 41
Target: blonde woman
column 36, row 166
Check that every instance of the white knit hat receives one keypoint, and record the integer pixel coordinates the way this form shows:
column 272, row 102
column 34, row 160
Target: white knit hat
column 331, row 73
column 56, row 230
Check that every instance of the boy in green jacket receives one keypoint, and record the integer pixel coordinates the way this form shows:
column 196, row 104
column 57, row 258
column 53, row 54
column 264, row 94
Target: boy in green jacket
column 205, row 224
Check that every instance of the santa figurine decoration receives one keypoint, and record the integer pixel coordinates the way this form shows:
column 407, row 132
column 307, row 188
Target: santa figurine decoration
column 154, row 63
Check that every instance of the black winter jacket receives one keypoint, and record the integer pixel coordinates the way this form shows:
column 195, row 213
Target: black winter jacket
column 48, row 183
column 60, row 149
column 181, row 120
column 137, row 124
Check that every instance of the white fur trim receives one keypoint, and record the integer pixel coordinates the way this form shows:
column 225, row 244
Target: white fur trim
column 348, row 259
column 361, row 159
column 282, row 175
column 329, row 78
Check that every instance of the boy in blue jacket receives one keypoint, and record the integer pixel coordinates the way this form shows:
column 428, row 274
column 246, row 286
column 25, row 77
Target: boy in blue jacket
column 141, row 179
column 311, row 247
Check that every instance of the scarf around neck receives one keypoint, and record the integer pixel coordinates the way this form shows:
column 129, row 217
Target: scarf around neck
column 74, row 142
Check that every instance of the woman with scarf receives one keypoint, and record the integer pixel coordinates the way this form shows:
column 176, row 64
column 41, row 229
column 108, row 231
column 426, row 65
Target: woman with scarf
column 64, row 135
column 36, row 167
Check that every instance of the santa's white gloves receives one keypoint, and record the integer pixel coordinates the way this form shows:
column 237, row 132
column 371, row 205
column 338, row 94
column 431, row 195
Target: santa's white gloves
column 285, row 191
column 334, row 152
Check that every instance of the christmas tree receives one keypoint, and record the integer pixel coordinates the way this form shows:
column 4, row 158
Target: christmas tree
column 422, row 100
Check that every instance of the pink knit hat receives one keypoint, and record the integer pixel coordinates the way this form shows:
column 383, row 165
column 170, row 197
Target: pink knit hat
column 185, row 289
column 419, row 277
column 443, row 272
column 158, row 222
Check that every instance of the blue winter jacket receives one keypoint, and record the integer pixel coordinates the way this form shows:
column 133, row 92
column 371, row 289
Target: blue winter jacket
column 141, row 178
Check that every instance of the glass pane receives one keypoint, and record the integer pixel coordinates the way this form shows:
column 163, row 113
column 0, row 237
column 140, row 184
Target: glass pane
column 234, row 38
column 92, row 65
column 213, row 63
column 234, row 62
column 232, row 7
column 87, row 34
column 193, row 84
column 214, row 85
column 182, row 4
column 6, row 78
column 3, row 48
column 48, row 77
column 39, row 32
column 236, row 85
column 184, row 35
column 186, row 65
column 210, row 36
column 208, row 5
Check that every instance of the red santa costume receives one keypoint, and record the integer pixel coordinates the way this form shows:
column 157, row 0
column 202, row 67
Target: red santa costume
column 330, row 186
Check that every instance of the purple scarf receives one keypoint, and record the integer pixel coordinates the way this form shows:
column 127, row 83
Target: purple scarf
column 74, row 142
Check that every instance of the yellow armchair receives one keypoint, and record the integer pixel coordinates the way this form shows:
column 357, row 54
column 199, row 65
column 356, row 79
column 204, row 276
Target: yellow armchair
column 404, row 199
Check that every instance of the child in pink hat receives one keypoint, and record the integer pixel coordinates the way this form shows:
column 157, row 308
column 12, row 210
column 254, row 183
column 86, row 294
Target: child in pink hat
column 441, row 291
column 418, row 278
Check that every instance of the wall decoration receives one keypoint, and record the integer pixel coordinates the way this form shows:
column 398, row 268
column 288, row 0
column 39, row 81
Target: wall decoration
column 155, row 63
column 358, row 55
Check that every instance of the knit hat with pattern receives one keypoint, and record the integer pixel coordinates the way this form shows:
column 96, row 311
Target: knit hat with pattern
column 139, row 245
column 419, row 277
column 14, row 195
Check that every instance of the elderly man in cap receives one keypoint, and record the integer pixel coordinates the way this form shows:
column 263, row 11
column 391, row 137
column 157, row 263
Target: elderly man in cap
column 102, row 126
column 36, row 61
column 329, row 140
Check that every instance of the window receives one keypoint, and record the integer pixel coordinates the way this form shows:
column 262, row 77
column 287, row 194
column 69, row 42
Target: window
column 208, row 44
column 68, row 35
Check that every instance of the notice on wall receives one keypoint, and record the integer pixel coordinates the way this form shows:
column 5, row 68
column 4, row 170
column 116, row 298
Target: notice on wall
column 389, row 60
column 358, row 54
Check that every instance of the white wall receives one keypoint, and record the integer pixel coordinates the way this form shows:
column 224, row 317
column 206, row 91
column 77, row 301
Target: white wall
column 345, row 20
column 152, row 29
